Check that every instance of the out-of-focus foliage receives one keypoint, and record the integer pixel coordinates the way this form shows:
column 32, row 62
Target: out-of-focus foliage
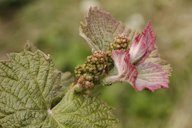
column 9, row 7
column 53, row 27
column 9, row 3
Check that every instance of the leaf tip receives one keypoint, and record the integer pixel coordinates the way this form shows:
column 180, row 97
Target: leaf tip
column 29, row 46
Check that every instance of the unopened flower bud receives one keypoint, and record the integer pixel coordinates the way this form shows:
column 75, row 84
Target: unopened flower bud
column 97, row 65
column 119, row 42
column 79, row 70
column 85, row 82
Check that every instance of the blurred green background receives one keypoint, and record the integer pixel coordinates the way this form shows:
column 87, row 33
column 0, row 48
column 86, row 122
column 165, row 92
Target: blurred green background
column 52, row 25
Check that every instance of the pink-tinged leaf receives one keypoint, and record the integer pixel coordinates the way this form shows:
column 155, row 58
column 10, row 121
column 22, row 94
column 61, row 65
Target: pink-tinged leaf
column 154, row 58
column 126, row 71
column 143, row 44
column 100, row 29
column 151, row 76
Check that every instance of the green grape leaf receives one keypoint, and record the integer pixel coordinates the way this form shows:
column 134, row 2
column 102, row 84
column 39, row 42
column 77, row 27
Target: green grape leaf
column 33, row 95
column 83, row 111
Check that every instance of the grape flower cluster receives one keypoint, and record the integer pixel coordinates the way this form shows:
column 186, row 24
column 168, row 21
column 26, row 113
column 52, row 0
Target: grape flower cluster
column 119, row 55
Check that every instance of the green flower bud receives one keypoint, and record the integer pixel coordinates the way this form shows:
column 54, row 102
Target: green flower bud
column 120, row 42
column 96, row 66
